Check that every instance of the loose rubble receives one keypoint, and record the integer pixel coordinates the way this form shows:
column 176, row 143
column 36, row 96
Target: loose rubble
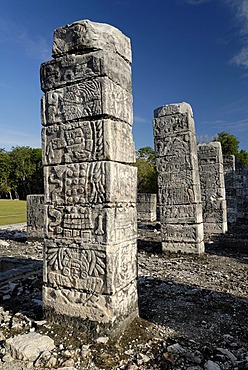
column 193, row 311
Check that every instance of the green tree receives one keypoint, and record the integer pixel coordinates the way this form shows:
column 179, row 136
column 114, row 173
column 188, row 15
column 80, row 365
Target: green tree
column 5, row 169
column 147, row 153
column 26, row 171
column 229, row 143
column 147, row 174
column 243, row 157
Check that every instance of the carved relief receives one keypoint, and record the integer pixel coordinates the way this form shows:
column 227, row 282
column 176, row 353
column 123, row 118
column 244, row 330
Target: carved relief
column 170, row 125
column 87, row 141
column 88, row 99
column 75, row 68
column 183, row 233
column 82, row 269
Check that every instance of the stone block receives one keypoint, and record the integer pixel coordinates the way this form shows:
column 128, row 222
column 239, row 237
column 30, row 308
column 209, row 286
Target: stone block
column 84, row 36
column 183, row 247
column 88, row 141
column 181, row 214
column 146, row 207
column 90, row 183
column 179, row 194
column 174, row 109
column 35, row 217
column 93, row 225
column 85, row 268
column 182, row 233
column 73, row 68
column 88, row 306
column 92, row 98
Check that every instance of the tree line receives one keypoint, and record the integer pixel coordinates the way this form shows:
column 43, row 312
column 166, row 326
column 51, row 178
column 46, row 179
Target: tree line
column 146, row 161
column 21, row 172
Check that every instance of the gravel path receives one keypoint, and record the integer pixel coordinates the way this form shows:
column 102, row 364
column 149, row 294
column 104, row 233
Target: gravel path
column 193, row 311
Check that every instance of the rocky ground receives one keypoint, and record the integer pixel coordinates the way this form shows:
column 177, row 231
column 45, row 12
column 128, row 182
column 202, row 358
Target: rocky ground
column 193, row 310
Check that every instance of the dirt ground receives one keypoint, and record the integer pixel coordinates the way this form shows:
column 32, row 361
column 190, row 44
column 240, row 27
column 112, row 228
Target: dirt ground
column 193, row 310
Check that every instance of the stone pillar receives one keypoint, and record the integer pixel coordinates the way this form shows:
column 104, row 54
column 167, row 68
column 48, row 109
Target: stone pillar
column 35, row 217
column 211, row 171
column 241, row 183
column 90, row 188
column 230, row 186
column 179, row 193
column 146, row 207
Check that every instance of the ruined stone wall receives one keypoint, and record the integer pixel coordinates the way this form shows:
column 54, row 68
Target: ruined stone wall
column 35, row 217
column 90, row 188
column 179, row 193
column 211, row 171
column 146, row 207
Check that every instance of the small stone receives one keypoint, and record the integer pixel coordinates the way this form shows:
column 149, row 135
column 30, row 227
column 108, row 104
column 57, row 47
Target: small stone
column 228, row 354
column 3, row 243
column 141, row 359
column 67, row 354
column 176, row 348
column 103, row 340
column 210, row 365
column 51, row 362
column 29, row 346
column 68, row 363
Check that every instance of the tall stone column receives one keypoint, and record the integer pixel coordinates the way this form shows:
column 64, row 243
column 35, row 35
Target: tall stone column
column 212, row 188
column 230, row 186
column 90, row 187
column 179, row 193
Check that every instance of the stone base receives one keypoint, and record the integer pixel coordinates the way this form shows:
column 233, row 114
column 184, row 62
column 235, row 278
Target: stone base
column 183, row 247
column 96, row 314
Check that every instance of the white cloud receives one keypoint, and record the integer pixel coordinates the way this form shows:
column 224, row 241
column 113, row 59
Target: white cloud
column 139, row 119
column 197, row 2
column 17, row 34
column 222, row 125
column 241, row 11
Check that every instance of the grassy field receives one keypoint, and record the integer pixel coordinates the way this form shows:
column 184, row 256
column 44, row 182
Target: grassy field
column 12, row 212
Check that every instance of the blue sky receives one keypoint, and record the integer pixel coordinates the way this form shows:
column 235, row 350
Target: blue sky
column 183, row 50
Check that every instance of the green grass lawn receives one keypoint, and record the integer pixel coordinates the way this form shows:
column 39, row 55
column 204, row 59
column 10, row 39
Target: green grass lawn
column 12, row 212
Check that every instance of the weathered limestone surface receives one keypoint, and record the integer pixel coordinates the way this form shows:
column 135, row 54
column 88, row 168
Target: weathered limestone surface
column 179, row 194
column 90, row 187
column 84, row 36
column 212, row 188
column 35, row 217
column 146, row 207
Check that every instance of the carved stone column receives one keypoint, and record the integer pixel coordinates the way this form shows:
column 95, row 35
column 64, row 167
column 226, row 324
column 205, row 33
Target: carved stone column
column 90, row 188
column 212, row 188
column 179, row 193
column 230, row 186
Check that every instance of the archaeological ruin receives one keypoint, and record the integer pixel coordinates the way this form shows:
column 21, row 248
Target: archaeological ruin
column 146, row 207
column 179, row 193
column 90, row 261
column 213, row 195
